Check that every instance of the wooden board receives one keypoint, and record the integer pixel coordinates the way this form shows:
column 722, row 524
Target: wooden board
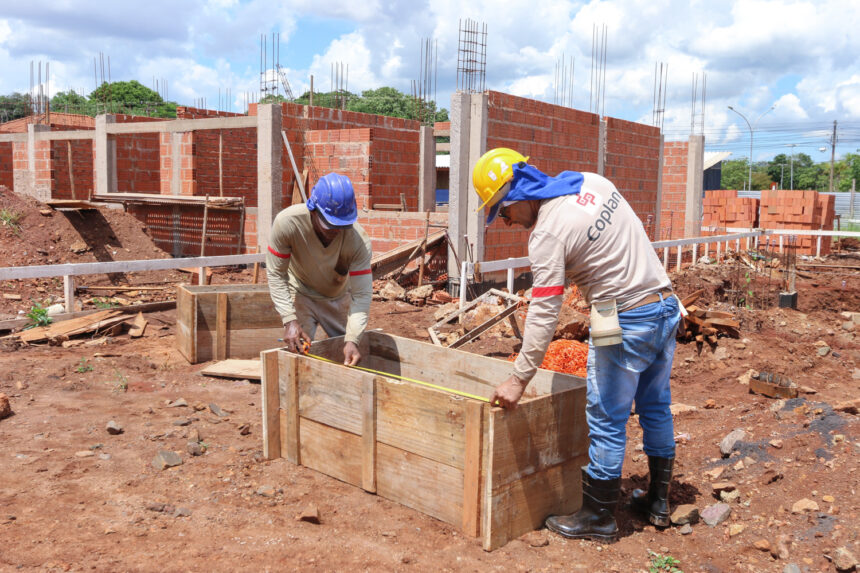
column 331, row 394
column 422, row 421
column 235, row 368
column 331, row 451
column 428, row 486
column 271, row 406
column 537, row 435
column 84, row 324
column 523, row 505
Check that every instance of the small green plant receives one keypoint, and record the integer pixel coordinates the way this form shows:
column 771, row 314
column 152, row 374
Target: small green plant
column 121, row 382
column 84, row 366
column 104, row 303
column 9, row 218
column 38, row 316
column 662, row 563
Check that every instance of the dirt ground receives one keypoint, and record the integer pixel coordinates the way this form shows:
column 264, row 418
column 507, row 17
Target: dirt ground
column 73, row 497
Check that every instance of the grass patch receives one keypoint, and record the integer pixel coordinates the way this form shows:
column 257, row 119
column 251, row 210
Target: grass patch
column 9, row 218
column 661, row 563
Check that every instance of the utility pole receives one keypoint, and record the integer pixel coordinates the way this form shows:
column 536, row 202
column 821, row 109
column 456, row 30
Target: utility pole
column 832, row 154
column 781, row 173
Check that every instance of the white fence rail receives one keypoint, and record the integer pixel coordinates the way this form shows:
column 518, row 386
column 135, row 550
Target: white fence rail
column 468, row 269
column 69, row 271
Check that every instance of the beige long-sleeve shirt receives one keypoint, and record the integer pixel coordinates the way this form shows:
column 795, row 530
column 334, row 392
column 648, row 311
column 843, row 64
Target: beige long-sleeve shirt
column 297, row 261
column 595, row 240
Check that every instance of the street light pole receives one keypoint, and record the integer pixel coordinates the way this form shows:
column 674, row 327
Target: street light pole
column 792, row 146
column 752, row 129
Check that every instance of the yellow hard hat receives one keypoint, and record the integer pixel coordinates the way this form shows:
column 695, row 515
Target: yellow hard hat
column 492, row 171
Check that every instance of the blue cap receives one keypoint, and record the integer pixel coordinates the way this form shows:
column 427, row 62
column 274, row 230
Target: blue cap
column 334, row 198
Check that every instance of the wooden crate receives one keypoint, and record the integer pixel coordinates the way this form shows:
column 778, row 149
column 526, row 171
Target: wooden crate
column 493, row 473
column 225, row 321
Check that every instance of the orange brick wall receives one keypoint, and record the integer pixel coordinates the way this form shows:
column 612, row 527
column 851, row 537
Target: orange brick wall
column 138, row 167
column 6, row 164
column 348, row 152
column 633, row 163
column 395, row 151
column 82, row 169
column 389, row 230
column 674, row 201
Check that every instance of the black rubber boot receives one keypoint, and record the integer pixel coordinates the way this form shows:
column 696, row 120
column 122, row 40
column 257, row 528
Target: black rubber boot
column 655, row 502
column 596, row 518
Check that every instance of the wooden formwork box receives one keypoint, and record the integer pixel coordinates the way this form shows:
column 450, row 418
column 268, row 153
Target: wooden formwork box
column 225, row 321
column 491, row 472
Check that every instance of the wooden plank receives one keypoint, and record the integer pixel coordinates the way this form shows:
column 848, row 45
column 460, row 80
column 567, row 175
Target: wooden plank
column 524, row 505
column 248, row 310
column 388, row 261
column 422, row 421
column 288, row 388
column 539, row 434
column 221, row 327
column 454, row 369
column 368, row 435
column 72, row 327
column 62, row 317
column 331, row 394
column 244, row 344
column 271, row 406
column 691, row 298
column 138, row 326
column 331, row 451
column 235, row 368
column 417, row 482
column 474, row 432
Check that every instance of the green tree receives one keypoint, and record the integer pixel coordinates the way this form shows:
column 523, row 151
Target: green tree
column 131, row 97
column 386, row 101
column 72, row 102
column 846, row 169
column 734, row 173
column 14, row 106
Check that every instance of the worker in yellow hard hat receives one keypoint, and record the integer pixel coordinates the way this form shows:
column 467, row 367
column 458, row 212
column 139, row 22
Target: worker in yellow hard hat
column 584, row 229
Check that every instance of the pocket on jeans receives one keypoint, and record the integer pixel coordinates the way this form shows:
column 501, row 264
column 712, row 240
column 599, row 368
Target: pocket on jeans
column 638, row 347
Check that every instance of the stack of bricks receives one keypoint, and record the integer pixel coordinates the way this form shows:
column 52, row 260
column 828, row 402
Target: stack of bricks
column 723, row 208
column 801, row 210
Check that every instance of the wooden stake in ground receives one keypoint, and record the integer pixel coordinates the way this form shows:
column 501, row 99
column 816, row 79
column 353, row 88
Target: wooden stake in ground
column 257, row 267
column 205, row 220
column 423, row 250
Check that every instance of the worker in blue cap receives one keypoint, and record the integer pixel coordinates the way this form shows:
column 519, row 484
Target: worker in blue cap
column 318, row 267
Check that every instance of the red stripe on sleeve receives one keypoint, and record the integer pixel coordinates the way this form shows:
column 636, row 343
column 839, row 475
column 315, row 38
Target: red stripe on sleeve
column 538, row 292
column 277, row 254
column 355, row 273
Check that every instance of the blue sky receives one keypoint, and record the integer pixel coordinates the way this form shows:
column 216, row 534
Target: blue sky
column 801, row 56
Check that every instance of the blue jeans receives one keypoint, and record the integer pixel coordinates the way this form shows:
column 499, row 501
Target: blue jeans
column 637, row 369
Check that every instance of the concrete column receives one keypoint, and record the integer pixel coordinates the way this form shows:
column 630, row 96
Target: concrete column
column 269, row 170
column 104, row 157
column 459, row 176
column 695, row 186
column 176, row 163
column 601, row 148
column 29, row 182
column 476, row 224
column 427, row 170
column 658, row 215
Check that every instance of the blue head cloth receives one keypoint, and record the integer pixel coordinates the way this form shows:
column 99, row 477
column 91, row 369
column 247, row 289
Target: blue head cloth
column 531, row 183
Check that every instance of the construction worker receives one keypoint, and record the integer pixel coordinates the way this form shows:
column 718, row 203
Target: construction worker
column 585, row 230
column 318, row 266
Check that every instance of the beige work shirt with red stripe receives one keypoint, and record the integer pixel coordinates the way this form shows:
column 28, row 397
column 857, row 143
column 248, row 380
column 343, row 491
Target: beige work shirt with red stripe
column 595, row 240
column 297, row 261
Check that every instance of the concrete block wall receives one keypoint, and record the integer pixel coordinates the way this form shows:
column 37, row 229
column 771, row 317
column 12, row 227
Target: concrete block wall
column 674, row 199
column 632, row 163
column 348, row 152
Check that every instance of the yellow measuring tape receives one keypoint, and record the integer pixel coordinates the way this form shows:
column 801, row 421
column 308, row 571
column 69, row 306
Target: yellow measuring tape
column 389, row 375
